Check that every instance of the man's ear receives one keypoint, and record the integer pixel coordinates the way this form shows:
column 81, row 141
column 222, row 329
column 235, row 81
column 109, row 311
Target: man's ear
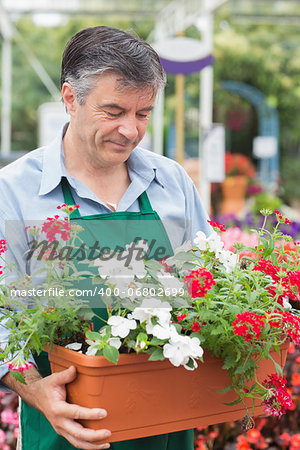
column 69, row 98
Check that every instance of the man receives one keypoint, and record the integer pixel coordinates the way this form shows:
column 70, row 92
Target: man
column 109, row 83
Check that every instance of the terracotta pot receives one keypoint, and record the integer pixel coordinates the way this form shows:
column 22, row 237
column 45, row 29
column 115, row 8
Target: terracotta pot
column 145, row 398
column 234, row 194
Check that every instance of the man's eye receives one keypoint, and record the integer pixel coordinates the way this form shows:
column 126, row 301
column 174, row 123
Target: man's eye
column 143, row 116
column 113, row 114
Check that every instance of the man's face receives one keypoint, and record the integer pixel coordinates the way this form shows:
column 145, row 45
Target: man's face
column 111, row 122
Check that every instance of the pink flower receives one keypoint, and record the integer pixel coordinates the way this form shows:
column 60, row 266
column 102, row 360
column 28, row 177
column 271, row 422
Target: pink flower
column 19, row 367
column 233, row 235
column 9, row 416
column 2, row 436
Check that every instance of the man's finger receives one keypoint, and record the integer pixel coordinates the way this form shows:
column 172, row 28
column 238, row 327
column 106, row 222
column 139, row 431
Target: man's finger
column 83, row 444
column 63, row 377
column 77, row 412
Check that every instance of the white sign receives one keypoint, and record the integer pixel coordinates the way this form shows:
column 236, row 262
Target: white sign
column 181, row 49
column 51, row 118
column 264, row 146
column 214, row 154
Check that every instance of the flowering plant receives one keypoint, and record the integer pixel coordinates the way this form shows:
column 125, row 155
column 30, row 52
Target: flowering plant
column 239, row 164
column 235, row 305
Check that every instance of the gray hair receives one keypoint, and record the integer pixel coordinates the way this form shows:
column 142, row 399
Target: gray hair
column 96, row 50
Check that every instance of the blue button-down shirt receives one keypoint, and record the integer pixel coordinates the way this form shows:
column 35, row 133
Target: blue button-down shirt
column 30, row 191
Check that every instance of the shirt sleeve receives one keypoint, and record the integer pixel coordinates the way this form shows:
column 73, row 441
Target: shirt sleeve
column 197, row 216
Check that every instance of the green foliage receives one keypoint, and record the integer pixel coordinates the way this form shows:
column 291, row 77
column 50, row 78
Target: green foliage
column 290, row 178
column 266, row 200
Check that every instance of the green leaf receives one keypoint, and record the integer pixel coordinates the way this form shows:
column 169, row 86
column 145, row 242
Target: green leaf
column 225, row 389
column 93, row 335
column 35, row 340
column 111, row 353
column 155, row 341
column 218, row 330
column 18, row 376
column 233, row 403
column 157, row 355
column 143, row 337
column 183, row 256
column 229, row 361
column 276, row 348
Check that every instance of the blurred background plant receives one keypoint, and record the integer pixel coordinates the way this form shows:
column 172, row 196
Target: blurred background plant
column 239, row 164
column 268, row 433
column 290, row 175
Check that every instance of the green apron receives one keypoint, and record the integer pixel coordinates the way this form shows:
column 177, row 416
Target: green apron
column 36, row 431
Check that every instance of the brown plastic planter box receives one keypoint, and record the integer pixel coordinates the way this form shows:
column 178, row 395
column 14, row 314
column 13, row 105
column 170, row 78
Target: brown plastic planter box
column 145, row 398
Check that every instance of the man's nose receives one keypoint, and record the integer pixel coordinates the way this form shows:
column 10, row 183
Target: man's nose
column 128, row 128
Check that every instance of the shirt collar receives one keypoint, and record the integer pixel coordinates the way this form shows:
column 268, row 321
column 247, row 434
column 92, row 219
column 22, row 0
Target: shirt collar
column 54, row 165
column 143, row 166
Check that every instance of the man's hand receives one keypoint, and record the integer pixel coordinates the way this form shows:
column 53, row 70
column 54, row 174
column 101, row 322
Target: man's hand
column 48, row 395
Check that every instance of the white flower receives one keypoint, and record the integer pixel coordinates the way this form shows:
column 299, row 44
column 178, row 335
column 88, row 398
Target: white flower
column 120, row 326
column 152, row 307
column 214, row 242
column 74, row 346
column 159, row 331
column 141, row 245
column 171, row 261
column 180, row 349
column 110, row 266
column 228, row 259
column 285, row 303
column 200, row 240
column 91, row 351
column 115, row 342
column 185, row 247
column 139, row 345
column 121, row 269
column 169, row 281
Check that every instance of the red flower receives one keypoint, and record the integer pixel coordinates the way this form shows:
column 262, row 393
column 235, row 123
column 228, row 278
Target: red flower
column 253, row 436
column 268, row 268
column 2, row 246
column 242, row 443
column 295, row 379
column 195, row 327
column 279, row 400
column 295, row 442
column 285, row 438
column 68, row 208
column 168, row 269
column 249, row 325
column 54, row 226
column 181, row 317
column 199, row 282
column 217, row 225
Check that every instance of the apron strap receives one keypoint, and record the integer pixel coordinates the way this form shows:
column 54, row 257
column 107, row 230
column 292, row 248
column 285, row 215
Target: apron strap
column 144, row 202
column 68, row 197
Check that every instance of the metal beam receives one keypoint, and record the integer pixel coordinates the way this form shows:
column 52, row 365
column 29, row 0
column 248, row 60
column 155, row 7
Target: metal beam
column 84, row 6
column 178, row 15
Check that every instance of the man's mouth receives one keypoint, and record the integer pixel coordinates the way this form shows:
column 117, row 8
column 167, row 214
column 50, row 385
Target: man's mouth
column 125, row 145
